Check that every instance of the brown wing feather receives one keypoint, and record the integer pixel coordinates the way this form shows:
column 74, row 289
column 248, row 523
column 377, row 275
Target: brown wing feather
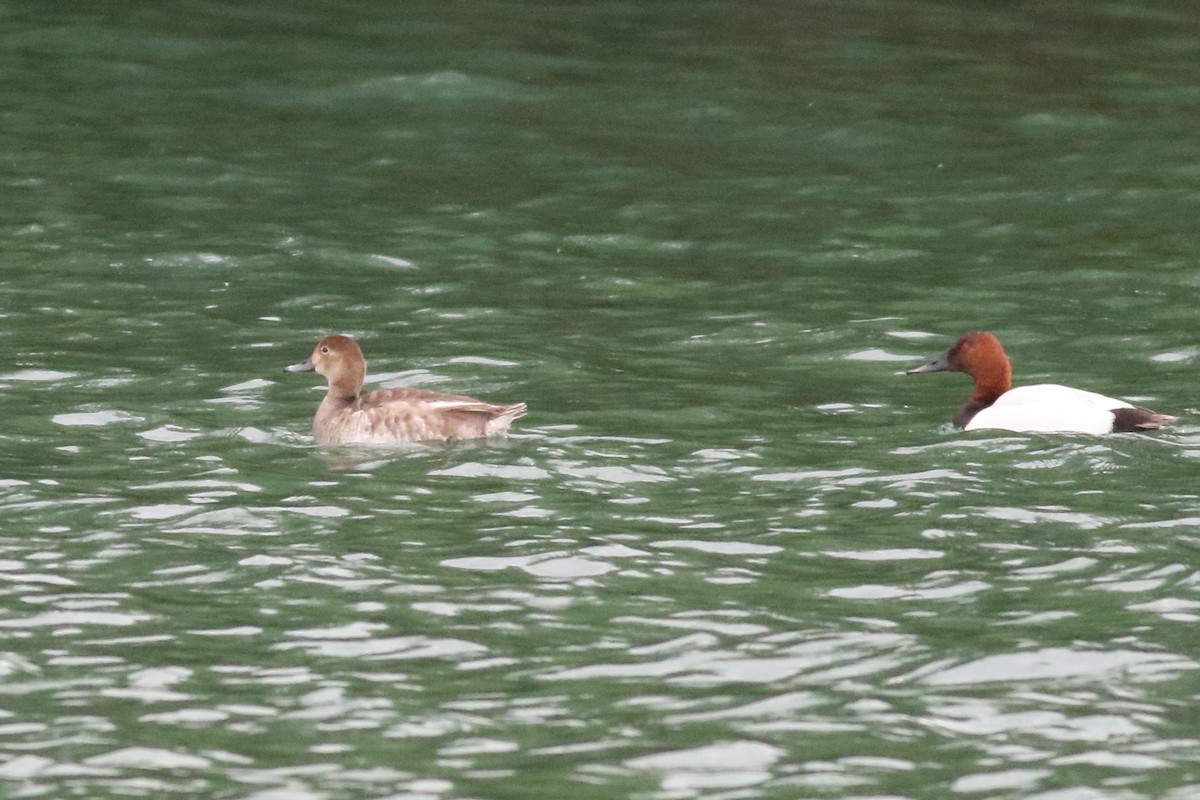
column 423, row 415
column 380, row 397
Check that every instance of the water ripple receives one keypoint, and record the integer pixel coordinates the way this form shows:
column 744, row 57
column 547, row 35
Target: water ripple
column 1063, row 664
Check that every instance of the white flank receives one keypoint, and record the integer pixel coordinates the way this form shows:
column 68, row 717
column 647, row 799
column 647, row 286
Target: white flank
column 1048, row 408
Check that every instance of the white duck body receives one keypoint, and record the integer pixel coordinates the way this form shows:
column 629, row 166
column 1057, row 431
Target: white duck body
column 1049, row 408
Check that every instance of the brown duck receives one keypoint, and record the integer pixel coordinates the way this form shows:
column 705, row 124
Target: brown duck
column 348, row 416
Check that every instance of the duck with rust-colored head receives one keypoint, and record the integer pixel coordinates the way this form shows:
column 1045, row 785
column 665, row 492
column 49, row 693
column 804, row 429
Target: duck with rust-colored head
column 1041, row 408
column 348, row 416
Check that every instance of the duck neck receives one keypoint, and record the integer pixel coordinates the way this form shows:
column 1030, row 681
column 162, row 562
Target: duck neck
column 341, row 395
column 345, row 384
column 990, row 382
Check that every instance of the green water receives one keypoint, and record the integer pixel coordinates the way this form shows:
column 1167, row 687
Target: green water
column 729, row 553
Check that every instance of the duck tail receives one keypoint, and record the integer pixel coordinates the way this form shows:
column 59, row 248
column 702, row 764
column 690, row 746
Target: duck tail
column 503, row 417
column 1139, row 419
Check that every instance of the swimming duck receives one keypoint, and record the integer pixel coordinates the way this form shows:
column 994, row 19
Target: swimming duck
column 347, row 416
column 1042, row 408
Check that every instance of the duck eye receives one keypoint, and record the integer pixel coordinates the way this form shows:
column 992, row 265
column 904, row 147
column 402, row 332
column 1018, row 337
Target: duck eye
column 324, row 349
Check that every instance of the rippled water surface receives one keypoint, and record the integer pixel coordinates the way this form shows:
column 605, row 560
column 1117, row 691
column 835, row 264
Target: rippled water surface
column 729, row 553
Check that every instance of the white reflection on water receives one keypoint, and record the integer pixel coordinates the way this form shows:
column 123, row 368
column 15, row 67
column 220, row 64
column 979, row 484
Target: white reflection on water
column 1063, row 663
column 784, row 705
column 1034, row 516
column 169, row 433
column 724, row 765
column 70, row 619
column 94, row 418
column 899, row 554
column 717, row 455
column 161, row 511
column 37, row 375
column 813, row 474
column 614, row 474
column 860, row 476
column 149, row 758
column 472, row 469
column 198, row 483
column 1176, row 609
column 701, row 622
column 877, row 354
column 999, row 781
column 555, row 566
column 718, row 547
column 703, row 663
column 1053, row 571
column 985, row 719
column 388, row 648
column 227, row 522
column 244, row 386
column 935, row 591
